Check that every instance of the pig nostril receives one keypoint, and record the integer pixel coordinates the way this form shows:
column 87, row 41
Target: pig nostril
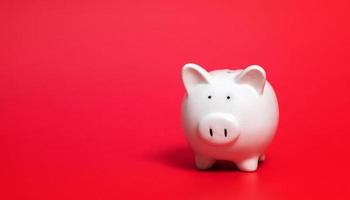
column 225, row 132
column 211, row 132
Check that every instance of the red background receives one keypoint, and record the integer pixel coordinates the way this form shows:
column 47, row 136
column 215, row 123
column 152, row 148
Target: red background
column 90, row 96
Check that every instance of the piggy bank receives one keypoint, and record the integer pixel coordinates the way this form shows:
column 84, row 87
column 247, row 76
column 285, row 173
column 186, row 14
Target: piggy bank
column 228, row 115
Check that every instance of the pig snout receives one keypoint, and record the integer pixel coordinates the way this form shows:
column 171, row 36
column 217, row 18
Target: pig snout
column 219, row 128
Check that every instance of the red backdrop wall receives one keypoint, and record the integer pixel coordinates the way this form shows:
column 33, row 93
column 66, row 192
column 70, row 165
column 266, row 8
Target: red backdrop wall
column 90, row 95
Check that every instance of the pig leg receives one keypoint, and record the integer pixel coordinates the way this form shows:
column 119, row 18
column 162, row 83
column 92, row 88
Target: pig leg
column 203, row 162
column 262, row 157
column 248, row 165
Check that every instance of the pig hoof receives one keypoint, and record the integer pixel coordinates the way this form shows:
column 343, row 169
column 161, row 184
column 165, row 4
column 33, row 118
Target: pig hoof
column 262, row 157
column 249, row 165
column 203, row 163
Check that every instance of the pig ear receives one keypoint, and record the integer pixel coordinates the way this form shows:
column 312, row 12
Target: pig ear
column 193, row 75
column 253, row 76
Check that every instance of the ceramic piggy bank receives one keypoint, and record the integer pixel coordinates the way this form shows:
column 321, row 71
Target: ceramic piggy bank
column 228, row 115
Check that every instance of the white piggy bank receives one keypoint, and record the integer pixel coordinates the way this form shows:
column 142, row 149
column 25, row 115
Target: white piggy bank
column 228, row 115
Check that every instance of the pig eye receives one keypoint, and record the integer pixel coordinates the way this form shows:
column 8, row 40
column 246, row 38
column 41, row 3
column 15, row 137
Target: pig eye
column 209, row 97
column 228, row 97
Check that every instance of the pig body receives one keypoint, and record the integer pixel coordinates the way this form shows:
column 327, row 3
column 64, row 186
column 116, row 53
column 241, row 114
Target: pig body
column 228, row 115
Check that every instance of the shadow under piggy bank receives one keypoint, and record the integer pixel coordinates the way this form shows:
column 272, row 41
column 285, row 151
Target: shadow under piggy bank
column 177, row 157
column 183, row 157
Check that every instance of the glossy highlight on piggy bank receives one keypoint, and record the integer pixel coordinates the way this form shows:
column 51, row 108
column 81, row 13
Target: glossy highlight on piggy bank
column 228, row 115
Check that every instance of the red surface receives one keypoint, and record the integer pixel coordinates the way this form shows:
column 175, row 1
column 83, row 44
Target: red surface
column 90, row 96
